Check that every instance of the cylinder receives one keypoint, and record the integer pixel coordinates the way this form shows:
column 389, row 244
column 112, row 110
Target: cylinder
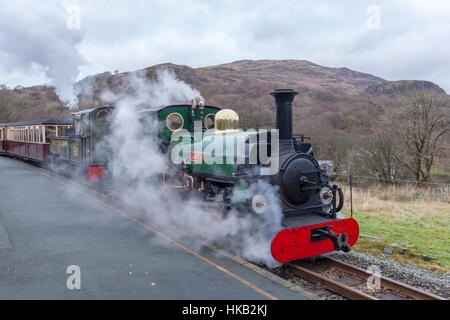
column 284, row 99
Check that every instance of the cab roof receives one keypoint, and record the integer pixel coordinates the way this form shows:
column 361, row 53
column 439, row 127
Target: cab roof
column 148, row 108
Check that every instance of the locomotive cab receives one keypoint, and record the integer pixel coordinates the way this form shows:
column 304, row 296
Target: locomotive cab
column 80, row 147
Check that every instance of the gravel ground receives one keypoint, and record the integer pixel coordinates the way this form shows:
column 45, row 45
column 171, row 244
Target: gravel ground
column 432, row 281
column 315, row 289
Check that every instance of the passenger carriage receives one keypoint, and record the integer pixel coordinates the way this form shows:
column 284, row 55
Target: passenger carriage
column 30, row 140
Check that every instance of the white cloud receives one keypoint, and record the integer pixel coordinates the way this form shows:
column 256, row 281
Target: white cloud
column 412, row 42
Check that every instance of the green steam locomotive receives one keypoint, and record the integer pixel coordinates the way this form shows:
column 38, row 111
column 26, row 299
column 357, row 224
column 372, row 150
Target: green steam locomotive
column 209, row 156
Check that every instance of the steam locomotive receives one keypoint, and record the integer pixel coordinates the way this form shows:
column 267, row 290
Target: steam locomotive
column 310, row 205
column 311, row 224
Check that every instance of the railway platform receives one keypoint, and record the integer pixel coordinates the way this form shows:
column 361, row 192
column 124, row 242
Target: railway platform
column 51, row 233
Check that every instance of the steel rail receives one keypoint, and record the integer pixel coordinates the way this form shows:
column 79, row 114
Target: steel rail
column 407, row 290
column 348, row 291
column 329, row 283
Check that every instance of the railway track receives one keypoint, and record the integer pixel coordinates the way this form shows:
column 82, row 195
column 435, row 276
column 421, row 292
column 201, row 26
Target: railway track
column 351, row 282
column 391, row 289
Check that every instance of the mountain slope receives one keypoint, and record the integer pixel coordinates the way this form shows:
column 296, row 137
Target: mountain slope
column 246, row 85
column 329, row 98
column 300, row 73
column 392, row 88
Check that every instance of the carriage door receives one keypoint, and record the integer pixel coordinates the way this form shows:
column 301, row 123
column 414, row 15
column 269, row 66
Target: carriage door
column 2, row 143
column 5, row 139
column 85, row 138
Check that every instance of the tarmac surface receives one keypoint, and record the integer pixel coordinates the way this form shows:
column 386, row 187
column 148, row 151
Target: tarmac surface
column 47, row 226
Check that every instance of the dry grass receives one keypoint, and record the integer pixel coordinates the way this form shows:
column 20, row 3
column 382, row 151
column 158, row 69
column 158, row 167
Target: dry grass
column 404, row 216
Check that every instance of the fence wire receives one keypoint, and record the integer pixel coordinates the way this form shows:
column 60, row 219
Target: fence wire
column 402, row 190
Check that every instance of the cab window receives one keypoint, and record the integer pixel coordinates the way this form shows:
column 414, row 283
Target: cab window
column 62, row 131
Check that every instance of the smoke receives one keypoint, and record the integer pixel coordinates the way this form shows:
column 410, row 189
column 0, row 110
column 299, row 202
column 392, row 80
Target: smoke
column 137, row 165
column 37, row 40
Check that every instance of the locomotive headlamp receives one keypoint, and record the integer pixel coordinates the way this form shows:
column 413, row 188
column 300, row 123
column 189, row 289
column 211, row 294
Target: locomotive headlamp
column 201, row 105
column 259, row 204
column 326, row 196
column 226, row 120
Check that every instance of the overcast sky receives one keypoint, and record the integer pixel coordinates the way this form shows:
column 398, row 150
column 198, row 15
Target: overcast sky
column 394, row 39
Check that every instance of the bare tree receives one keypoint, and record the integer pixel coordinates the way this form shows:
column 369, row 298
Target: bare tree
column 328, row 143
column 420, row 122
column 4, row 109
column 376, row 157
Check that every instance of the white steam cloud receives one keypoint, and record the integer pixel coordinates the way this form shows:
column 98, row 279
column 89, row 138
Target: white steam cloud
column 137, row 166
column 37, row 40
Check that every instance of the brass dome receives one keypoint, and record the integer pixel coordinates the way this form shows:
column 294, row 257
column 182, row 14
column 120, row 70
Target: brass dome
column 226, row 120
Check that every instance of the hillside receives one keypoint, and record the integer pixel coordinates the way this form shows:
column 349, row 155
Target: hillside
column 329, row 98
column 299, row 73
column 325, row 93
column 336, row 107
column 29, row 103
column 246, row 75
column 392, row 88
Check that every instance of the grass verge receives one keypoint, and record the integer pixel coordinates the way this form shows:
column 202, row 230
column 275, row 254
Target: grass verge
column 422, row 226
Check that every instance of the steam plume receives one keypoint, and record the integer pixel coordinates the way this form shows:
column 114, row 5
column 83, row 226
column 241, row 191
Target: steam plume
column 37, row 40
column 136, row 164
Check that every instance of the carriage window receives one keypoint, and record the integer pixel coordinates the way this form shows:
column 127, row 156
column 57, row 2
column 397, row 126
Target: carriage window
column 50, row 132
column 40, row 134
column 174, row 121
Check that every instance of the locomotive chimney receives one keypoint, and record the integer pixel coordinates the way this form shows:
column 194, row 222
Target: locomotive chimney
column 284, row 100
